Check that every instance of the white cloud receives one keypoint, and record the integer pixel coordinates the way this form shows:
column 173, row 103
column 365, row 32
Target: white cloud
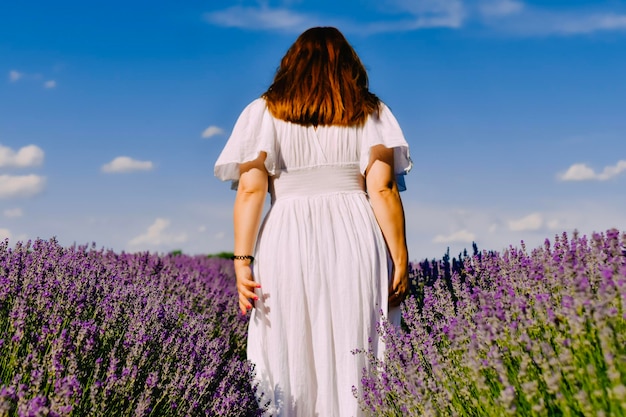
column 554, row 225
column 262, row 17
column 513, row 16
column 12, row 186
column 578, row 172
column 541, row 21
column 13, row 213
column 424, row 220
column 433, row 13
column 27, row 156
column 429, row 7
column 590, row 23
column 212, row 131
column 508, row 15
column 499, row 8
column 612, row 171
column 157, row 236
column 15, row 75
column 5, row 234
column 462, row 236
column 582, row 172
column 417, row 23
column 531, row 222
column 424, row 14
column 123, row 164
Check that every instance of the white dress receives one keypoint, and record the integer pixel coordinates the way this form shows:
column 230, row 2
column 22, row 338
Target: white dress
column 320, row 258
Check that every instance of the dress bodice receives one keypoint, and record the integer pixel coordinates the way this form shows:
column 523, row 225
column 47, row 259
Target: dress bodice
column 324, row 179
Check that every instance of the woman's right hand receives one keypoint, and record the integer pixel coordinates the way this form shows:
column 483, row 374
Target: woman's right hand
column 245, row 285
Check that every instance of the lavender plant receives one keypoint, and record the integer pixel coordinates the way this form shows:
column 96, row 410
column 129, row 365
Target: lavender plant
column 92, row 332
column 526, row 334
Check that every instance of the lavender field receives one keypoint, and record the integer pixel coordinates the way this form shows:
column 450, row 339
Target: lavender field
column 88, row 332
column 538, row 333
column 526, row 332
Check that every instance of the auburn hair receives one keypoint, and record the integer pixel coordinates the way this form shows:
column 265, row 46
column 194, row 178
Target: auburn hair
column 321, row 81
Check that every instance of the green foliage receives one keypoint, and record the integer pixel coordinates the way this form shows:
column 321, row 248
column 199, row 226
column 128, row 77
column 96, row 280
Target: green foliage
column 223, row 255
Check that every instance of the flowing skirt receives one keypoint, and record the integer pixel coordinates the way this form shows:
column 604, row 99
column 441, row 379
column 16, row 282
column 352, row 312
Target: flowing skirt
column 323, row 267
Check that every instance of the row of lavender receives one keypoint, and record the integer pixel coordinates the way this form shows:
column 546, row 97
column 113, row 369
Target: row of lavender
column 526, row 334
column 91, row 332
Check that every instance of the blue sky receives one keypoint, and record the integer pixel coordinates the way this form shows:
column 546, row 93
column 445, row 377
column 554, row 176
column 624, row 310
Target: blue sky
column 113, row 113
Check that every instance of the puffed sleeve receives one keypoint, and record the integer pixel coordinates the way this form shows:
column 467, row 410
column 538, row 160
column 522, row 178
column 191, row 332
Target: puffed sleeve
column 383, row 129
column 253, row 133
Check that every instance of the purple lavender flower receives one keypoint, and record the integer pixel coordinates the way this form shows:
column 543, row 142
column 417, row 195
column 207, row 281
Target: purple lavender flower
column 93, row 332
column 516, row 333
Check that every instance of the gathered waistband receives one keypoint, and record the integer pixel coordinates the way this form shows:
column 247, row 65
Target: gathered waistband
column 315, row 181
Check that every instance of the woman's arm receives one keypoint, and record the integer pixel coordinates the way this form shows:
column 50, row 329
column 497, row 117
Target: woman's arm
column 385, row 199
column 247, row 212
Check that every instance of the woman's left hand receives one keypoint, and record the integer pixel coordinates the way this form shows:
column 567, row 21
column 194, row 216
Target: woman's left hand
column 399, row 288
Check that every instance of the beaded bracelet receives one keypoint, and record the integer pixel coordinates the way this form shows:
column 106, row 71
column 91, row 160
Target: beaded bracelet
column 242, row 257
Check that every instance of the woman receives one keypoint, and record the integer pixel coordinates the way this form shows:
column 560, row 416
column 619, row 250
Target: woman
column 331, row 253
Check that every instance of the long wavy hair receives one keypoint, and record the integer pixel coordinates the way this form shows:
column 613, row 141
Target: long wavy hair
column 321, row 81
